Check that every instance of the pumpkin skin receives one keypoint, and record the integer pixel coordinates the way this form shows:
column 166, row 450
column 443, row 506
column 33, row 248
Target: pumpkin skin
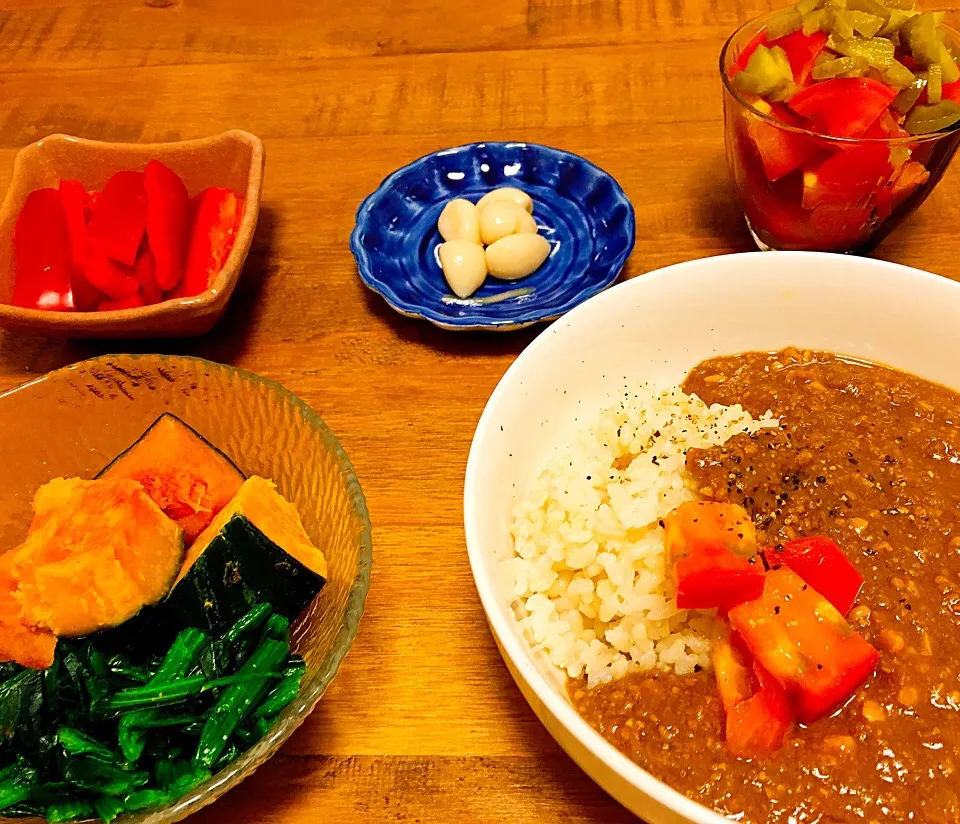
column 186, row 476
column 97, row 552
column 259, row 539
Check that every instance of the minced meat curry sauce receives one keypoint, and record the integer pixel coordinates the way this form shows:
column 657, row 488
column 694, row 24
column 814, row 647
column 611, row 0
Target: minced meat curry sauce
column 870, row 457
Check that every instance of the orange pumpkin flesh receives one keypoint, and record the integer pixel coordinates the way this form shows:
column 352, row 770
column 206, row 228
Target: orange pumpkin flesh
column 188, row 478
column 28, row 646
column 96, row 553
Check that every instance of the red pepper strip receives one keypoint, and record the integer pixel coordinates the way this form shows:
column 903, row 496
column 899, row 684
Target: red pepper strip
column 781, row 151
column 713, row 547
column 843, row 106
column 822, row 564
column 119, row 220
column 732, row 668
column 74, row 200
column 848, row 178
column 802, row 50
column 85, row 296
column 41, row 254
column 738, row 65
column 111, row 278
column 759, row 724
column 757, row 709
column 805, row 644
column 216, row 215
column 145, row 273
column 134, row 301
column 168, row 222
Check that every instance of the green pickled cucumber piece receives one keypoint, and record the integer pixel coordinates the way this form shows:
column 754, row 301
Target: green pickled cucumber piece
column 877, row 51
column 837, row 23
column 807, row 6
column 865, row 24
column 897, row 18
column 951, row 74
column 898, row 76
column 813, row 22
column 899, row 155
column 840, row 67
column 925, row 119
column 870, row 7
column 906, row 99
column 934, row 84
column 920, row 36
column 786, row 22
column 767, row 73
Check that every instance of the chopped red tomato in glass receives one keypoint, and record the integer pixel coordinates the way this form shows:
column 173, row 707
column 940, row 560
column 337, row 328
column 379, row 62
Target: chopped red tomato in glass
column 802, row 50
column 847, row 177
column 904, row 182
column 781, row 151
column 843, row 106
column 713, row 550
column 822, row 564
column 885, row 128
column 41, row 254
column 801, row 639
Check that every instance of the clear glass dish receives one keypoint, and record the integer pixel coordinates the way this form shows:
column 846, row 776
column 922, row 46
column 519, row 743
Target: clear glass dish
column 74, row 421
column 775, row 210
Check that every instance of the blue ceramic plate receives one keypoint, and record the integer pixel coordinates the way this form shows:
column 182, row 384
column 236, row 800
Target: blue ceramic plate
column 579, row 208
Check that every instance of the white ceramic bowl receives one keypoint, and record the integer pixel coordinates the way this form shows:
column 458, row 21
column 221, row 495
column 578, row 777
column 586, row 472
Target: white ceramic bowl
column 656, row 328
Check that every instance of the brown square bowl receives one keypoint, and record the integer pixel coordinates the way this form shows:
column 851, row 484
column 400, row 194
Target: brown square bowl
column 233, row 159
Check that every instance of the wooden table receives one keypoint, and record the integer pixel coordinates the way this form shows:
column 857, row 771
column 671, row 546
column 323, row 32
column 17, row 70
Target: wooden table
column 423, row 723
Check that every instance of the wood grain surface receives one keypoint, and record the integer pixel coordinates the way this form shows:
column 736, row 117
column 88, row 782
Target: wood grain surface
column 423, row 723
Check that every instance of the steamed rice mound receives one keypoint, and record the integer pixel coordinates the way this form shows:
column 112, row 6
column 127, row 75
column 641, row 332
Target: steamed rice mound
column 588, row 576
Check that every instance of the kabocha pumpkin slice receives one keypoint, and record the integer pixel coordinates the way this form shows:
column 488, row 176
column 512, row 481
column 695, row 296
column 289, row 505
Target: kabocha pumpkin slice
column 97, row 552
column 255, row 551
column 28, row 646
column 187, row 477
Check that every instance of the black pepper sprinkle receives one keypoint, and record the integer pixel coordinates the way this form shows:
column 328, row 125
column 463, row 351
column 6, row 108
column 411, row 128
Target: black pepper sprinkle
column 697, row 668
column 819, row 666
column 661, row 523
column 821, row 479
column 776, row 610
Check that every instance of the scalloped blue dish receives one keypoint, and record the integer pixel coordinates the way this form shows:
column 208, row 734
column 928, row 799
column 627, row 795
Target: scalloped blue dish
column 579, row 208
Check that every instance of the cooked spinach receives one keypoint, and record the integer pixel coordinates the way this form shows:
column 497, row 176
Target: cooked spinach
column 99, row 734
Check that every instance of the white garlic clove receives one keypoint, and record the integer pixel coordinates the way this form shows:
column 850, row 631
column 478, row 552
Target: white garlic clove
column 516, row 256
column 464, row 266
column 522, row 199
column 500, row 218
column 460, row 220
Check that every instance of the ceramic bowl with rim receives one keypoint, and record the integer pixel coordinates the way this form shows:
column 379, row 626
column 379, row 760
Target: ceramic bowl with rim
column 656, row 328
column 233, row 159
column 579, row 208
column 74, row 421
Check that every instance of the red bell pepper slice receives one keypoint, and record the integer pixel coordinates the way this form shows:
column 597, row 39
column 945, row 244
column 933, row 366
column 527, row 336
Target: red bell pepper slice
column 134, row 301
column 86, row 296
column 802, row 50
column 757, row 709
column 740, row 63
column 168, row 222
column 41, row 254
column 713, row 549
column 217, row 214
column 843, row 106
column 113, row 279
column 822, row 564
column 848, row 178
column 74, row 200
column 120, row 218
column 145, row 273
column 781, row 150
column 800, row 638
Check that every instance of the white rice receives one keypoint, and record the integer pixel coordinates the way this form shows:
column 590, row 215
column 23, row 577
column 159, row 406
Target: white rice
column 588, row 576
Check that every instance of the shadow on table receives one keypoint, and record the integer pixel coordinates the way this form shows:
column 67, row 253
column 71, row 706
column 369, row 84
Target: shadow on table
column 718, row 208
